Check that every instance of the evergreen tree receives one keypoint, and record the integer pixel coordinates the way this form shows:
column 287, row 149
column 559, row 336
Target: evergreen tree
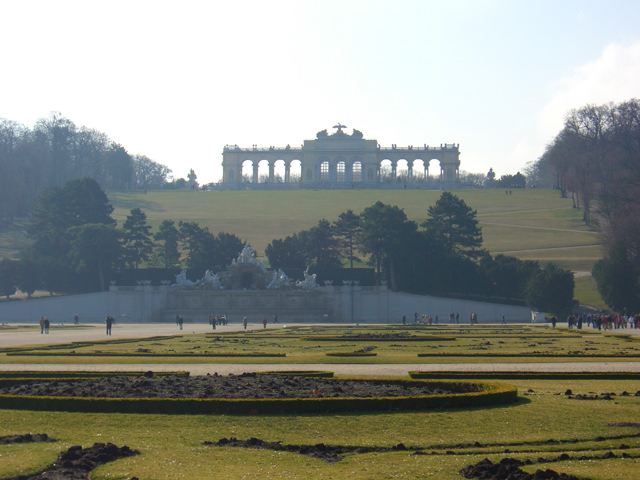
column 137, row 238
column 453, row 223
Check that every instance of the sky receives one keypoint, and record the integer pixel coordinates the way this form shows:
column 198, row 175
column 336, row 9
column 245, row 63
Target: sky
column 178, row 80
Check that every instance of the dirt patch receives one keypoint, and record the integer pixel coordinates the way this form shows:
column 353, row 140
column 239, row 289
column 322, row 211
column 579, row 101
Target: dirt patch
column 248, row 385
column 509, row 469
column 26, row 438
column 77, row 462
column 328, row 453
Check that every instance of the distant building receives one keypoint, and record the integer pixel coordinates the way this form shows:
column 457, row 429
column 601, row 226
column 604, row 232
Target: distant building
column 339, row 160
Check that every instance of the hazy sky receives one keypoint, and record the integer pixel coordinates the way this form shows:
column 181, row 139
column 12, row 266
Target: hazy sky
column 176, row 81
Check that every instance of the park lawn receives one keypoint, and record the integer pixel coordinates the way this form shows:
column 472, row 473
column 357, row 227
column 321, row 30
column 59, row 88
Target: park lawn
column 172, row 447
column 345, row 345
column 532, row 224
column 259, row 217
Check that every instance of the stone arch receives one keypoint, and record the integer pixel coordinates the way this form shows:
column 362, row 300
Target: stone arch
column 430, row 167
column 356, row 171
column 402, row 170
column 264, row 171
column 385, row 170
column 279, row 171
column 295, row 171
column 247, row 171
column 418, row 170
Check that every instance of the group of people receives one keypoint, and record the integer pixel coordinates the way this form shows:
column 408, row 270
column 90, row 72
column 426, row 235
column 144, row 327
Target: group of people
column 44, row 325
column 603, row 321
column 425, row 319
column 215, row 320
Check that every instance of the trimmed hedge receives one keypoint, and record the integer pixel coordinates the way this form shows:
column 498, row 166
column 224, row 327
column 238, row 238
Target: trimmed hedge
column 44, row 375
column 374, row 338
column 350, row 354
column 473, row 395
column 534, row 355
column 529, row 375
column 141, row 354
column 299, row 373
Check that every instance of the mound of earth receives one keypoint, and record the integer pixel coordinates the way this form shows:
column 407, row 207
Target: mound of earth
column 509, row 469
column 26, row 438
column 248, row 385
column 77, row 462
column 328, row 453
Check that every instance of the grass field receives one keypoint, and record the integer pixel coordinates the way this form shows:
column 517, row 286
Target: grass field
column 440, row 344
column 543, row 424
column 529, row 224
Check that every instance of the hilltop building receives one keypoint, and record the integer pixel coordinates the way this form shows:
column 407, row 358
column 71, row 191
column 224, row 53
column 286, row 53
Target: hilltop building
column 339, row 160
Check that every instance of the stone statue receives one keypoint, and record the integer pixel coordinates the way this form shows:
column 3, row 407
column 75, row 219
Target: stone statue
column 279, row 279
column 356, row 134
column 182, row 280
column 322, row 134
column 211, row 279
column 309, row 281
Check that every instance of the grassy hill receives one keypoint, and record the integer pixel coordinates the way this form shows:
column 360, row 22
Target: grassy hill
column 529, row 224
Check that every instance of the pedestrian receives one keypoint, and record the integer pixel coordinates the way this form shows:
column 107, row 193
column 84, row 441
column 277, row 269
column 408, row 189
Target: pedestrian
column 264, row 322
column 41, row 325
column 47, row 324
column 76, row 319
column 109, row 321
column 179, row 321
column 212, row 321
column 275, row 318
column 244, row 322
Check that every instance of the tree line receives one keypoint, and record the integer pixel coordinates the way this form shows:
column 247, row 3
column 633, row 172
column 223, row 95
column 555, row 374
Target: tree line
column 56, row 150
column 596, row 160
column 441, row 256
column 76, row 246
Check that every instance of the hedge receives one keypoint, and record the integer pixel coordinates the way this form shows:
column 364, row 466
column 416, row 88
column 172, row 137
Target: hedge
column 299, row 373
column 529, row 375
column 478, row 395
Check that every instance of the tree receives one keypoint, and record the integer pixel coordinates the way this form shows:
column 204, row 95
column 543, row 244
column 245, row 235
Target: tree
column 168, row 251
column 59, row 209
column 321, row 246
column 453, row 223
column 550, row 289
column 383, row 229
column 149, row 174
column 29, row 279
column 617, row 280
column 288, row 253
column 347, row 229
column 95, row 251
column 8, row 277
column 199, row 245
column 137, row 237
column 228, row 246
column 192, row 180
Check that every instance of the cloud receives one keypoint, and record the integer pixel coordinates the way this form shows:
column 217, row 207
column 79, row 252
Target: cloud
column 613, row 77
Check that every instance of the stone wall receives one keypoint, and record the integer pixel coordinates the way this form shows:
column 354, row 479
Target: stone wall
column 346, row 304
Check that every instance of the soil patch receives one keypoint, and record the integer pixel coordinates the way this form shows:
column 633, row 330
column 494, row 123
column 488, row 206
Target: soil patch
column 509, row 469
column 328, row 453
column 248, row 385
column 26, row 438
column 77, row 462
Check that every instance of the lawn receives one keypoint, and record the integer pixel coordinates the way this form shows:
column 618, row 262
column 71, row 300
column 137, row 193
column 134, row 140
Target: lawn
column 543, row 424
column 340, row 345
column 527, row 222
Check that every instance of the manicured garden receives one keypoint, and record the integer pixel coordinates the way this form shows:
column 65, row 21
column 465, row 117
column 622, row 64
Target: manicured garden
column 581, row 424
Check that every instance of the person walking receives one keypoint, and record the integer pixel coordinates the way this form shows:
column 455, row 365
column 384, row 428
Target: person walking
column 109, row 320
column 244, row 322
column 264, row 322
